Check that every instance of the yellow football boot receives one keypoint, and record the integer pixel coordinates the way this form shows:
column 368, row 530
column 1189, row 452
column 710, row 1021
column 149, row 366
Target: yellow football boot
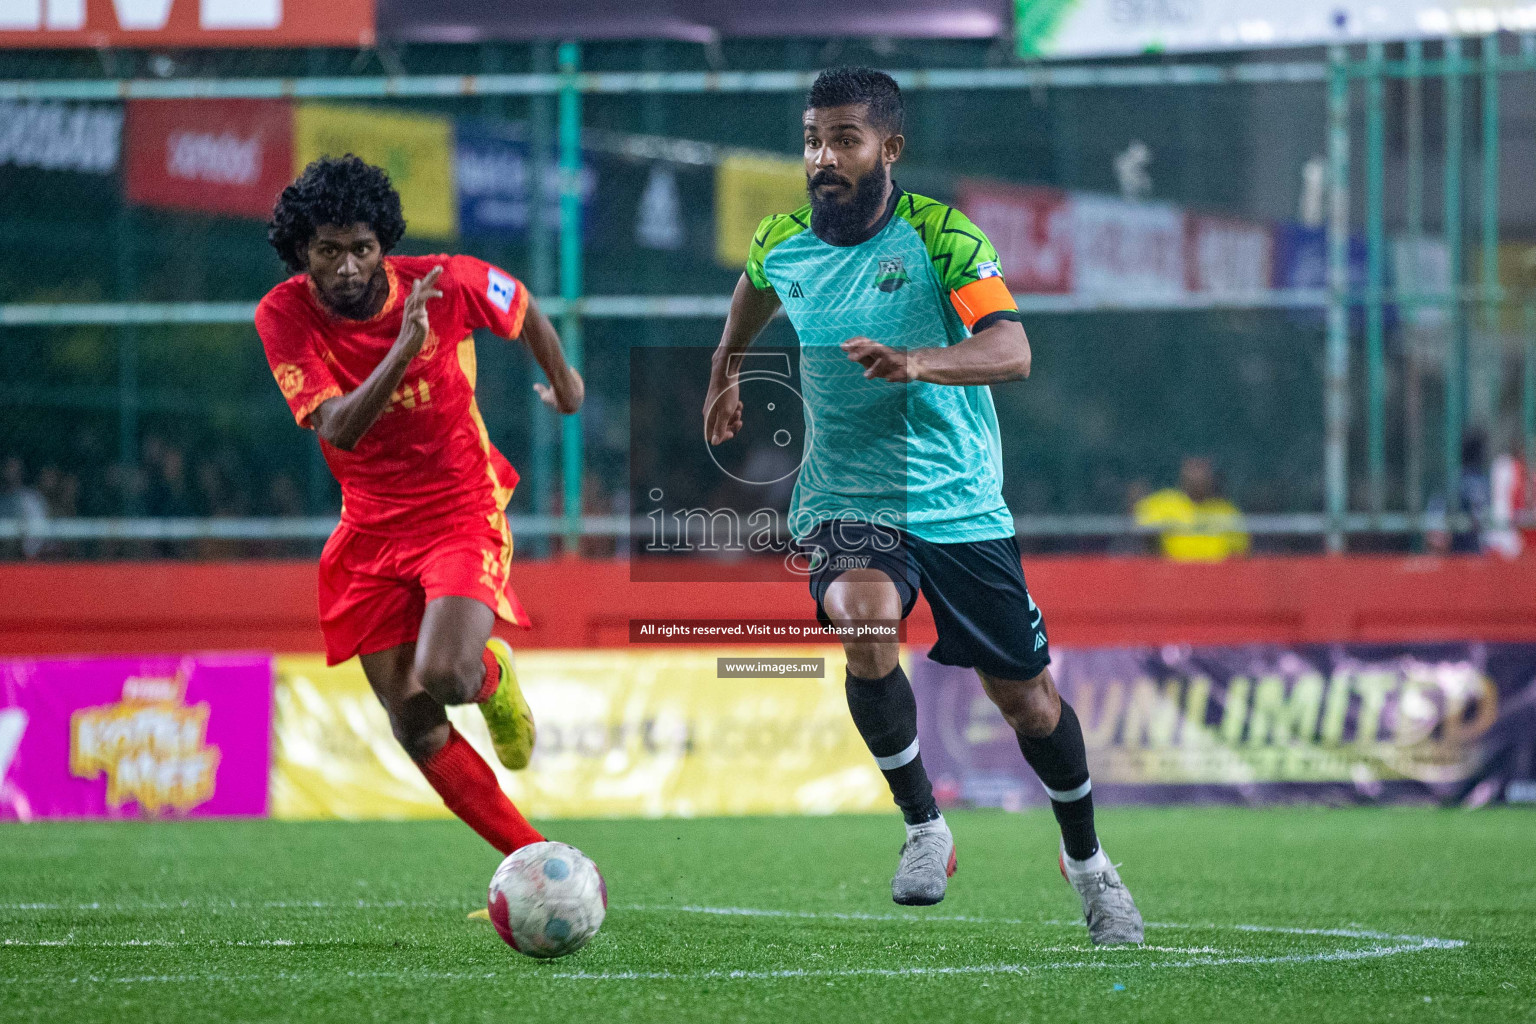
column 507, row 713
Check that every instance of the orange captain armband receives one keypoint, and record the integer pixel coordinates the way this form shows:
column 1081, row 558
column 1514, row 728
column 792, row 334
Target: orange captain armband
column 981, row 298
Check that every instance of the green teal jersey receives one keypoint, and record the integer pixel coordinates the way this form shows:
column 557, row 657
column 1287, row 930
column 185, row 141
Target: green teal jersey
column 924, row 457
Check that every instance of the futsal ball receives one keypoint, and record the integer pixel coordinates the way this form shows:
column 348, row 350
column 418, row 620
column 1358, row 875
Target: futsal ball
column 547, row 900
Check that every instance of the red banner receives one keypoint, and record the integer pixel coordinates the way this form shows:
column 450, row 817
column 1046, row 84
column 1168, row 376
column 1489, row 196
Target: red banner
column 1031, row 230
column 185, row 23
column 1224, row 255
column 212, row 156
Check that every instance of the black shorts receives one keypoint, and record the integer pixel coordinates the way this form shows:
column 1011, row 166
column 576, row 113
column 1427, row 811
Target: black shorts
column 985, row 617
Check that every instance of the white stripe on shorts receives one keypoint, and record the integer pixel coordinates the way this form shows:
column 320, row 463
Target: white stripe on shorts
column 897, row 760
column 1066, row 796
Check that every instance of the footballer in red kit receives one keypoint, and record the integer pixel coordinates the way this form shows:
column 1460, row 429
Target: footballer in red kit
column 376, row 354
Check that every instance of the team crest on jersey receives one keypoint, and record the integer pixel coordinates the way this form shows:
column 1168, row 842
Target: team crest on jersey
column 290, row 380
column 891, row 273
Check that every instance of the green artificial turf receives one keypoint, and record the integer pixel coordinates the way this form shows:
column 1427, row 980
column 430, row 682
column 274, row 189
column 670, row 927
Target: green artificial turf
column 1433, row 914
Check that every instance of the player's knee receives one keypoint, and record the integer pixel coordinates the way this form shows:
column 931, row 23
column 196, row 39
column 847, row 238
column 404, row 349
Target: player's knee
column 419, row 725
column 449, row 681
column 1031, row 707
column 849, row 604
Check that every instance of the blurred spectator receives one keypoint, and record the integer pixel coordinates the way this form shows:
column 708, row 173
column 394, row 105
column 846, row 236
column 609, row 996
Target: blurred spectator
column 1197, row 524
column 1510, row 528
column 283, row 497
column 61, row 491
column 167, row 494
column 1474, row 492
column 27, row 504
column 1136, row 492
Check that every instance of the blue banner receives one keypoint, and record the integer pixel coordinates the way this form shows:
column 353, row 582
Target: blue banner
column 493, row 171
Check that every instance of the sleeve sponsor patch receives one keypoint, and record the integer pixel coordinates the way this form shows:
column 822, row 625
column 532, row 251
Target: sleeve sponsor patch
column 500, row 289
column 988, row 269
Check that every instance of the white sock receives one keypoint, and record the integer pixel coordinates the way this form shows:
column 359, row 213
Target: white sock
column 1098, row 862
column 937, row 824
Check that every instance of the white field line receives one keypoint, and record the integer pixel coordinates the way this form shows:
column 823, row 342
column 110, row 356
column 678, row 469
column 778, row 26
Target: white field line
column 238, row 905
column 1206, row 956
column 1354, row 932
column 79, row 944
column 1368, row 953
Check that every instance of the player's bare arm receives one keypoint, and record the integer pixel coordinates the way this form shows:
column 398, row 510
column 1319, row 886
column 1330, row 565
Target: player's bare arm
column 565, row 390
column 343, row 421
column 751, row 309
column 998, row 353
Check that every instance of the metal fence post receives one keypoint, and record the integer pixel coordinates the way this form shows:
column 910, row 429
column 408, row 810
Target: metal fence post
column 1528, row 392
column 127, row 344
column 1336, row 374
column 570, row 279
column 1456, row 347
column 541, row 258
column 1412, row 282
column 1491, row 318
column 1375, row 368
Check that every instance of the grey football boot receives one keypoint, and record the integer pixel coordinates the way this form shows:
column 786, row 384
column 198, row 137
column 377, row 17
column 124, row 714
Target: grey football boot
column 927, row 861
column 1113, row 919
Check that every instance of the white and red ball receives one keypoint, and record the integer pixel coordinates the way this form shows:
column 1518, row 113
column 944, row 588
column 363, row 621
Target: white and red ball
column 547, row 900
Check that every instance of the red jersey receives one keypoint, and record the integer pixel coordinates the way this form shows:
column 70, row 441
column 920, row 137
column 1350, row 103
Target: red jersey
column 427, row 460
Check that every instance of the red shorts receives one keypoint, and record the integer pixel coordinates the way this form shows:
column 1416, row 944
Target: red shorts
column 374, row 589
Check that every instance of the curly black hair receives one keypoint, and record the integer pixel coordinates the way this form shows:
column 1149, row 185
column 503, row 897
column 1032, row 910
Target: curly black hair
column 334, row 190
column 837, row 87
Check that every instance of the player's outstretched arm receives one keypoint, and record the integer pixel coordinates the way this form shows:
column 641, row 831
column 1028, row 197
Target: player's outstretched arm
column 998, row 353
column 343, row 421
column 751, row 309
column 565, row 390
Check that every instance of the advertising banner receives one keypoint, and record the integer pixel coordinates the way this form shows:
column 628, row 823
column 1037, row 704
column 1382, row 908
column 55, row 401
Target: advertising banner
column 493, row 168
column 621, row 733
column 135, row 737
column 216, row 156
column 1031, row 229
column 1093, row 28
column 177, row 24
column 1226, row 256
column 1127, row 249
column 1301, row 262
column 81, row 137
column 416, row 150
column 747, row 189
column 694, row 21
column 1334, row 723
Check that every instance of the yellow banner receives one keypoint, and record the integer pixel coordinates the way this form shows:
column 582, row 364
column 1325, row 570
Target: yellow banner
column 621, row 733
column 415, row 149
column 747, row 189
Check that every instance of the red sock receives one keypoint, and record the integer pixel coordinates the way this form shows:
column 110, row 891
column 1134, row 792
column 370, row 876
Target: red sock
column 469, row 789
column 492, row 677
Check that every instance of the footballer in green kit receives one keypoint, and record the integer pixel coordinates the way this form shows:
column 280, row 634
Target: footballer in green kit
column 904, row 320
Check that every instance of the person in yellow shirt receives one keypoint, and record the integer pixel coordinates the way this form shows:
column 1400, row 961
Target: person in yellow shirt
column 1197, row 524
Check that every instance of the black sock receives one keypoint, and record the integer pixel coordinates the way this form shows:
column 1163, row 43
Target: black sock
column 1061, row 761
column 885, row 711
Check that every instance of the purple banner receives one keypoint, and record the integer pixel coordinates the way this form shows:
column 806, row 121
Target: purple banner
column 1449, row 722
column 135, row 737
column 696, row 21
